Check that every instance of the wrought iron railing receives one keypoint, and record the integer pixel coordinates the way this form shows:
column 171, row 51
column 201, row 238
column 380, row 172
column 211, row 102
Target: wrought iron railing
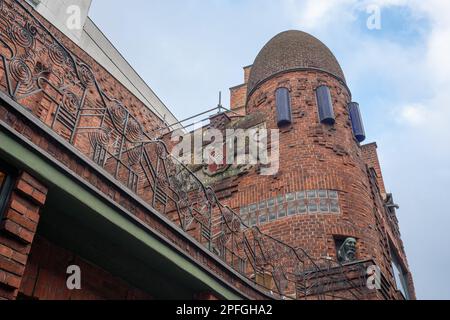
column 38, row 72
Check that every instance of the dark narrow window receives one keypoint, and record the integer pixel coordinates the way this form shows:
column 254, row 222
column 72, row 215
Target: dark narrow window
column 325, row 105
column 357, row 123
column 5, row 187
column 284, row 113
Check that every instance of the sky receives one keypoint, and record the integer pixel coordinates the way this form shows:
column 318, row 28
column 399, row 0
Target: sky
column 189, row 50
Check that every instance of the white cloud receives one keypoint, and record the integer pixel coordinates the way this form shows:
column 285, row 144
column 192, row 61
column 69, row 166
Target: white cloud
column 318, row 14
column 414, row 115
column 421, row 70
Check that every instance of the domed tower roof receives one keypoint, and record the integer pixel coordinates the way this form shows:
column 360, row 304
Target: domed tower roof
column 291, row 50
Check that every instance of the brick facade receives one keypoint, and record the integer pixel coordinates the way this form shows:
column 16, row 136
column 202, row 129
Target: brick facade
column 17, row 231
column 238, row 94
column 370, row 156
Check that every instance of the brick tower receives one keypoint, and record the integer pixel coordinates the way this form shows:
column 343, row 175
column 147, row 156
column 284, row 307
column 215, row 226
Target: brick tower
column 328, row 196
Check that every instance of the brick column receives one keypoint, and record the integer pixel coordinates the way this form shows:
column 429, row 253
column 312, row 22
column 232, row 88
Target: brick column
column 17, row 231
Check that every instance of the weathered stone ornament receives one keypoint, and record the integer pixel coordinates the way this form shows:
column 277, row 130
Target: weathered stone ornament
column 347, row 252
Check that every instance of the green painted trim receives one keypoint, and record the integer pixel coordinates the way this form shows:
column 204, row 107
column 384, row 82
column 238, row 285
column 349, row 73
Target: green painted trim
column 44, row 170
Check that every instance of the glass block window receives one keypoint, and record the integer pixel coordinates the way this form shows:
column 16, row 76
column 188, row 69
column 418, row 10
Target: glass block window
column 322, row 194
column 253, row 220
column 313, row 207
column 301, row 195
column 290, row 197
column 263, row 217
column 302, row 208
column 291, row 204
column 262, row 205
column 272, row 214
column 280, row 199
column 292, row 210
column 311, row 194
column 333, row 194
column 324, row 206
column 282, row 212
column 334, row 206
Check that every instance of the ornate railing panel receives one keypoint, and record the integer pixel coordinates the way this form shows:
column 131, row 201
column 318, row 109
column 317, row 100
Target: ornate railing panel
column 62, row 91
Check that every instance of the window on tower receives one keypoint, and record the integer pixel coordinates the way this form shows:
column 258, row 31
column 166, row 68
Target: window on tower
column 284, row 112
column 357, row 123
column 400, row 275
column 325, row 105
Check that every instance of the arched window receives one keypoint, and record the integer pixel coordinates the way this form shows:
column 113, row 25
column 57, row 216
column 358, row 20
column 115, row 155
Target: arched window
column 283, row 101
column 325, row 105
column 357, row 123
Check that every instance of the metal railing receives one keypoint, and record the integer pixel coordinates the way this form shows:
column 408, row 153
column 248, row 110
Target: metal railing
column 35, row 67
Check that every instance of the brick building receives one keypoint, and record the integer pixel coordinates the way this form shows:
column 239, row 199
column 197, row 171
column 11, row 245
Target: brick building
column 88, row 183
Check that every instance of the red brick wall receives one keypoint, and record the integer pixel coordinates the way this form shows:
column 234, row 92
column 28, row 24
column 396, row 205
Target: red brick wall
column 17, row 230
column 45, row 277
column 238, row 96
column 247, row 71
column 370, row 156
